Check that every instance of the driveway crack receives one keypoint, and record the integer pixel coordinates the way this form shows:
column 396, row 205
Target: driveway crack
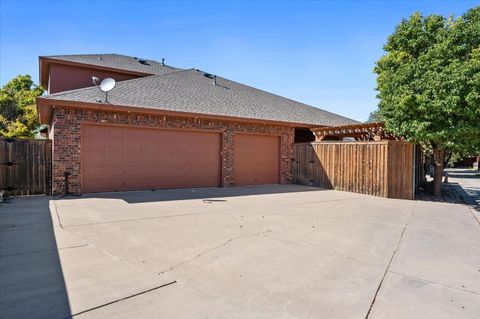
column 390, row 262
column 56, row 213
column 143, row 218
column 212, row 249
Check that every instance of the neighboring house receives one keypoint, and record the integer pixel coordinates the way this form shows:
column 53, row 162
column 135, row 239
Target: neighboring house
column 165, row 127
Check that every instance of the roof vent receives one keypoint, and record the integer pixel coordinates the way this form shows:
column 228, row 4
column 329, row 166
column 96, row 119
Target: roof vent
column 163, row 61
column 143, row 61
column 210, row 76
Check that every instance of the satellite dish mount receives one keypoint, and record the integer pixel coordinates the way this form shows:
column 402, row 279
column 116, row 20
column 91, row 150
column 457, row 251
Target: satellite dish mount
column 106, row 86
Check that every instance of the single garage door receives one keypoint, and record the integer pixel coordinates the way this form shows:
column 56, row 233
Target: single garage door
column 118, row 158
column 257, row 159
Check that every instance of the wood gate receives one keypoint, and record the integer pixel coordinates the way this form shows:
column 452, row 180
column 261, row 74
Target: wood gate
column 26, row 166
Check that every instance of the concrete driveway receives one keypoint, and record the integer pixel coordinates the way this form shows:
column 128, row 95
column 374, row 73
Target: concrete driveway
column 249, row 252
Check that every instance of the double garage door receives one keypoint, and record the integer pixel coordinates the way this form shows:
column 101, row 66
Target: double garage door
column 117, row 158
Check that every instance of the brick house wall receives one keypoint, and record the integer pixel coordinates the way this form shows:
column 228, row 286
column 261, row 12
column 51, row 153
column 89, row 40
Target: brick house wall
column 66, row 132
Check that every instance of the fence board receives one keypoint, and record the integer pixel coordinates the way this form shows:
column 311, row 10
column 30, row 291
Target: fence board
column 29, row 171
column 384, row 168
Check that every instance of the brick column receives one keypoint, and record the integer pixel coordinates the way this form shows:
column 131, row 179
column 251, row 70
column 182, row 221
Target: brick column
column 227, row 158
column 66, row 156
column 286, row 155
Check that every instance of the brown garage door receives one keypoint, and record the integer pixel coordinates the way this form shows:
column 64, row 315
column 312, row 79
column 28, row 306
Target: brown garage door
column 257, row 159
column 124, row 158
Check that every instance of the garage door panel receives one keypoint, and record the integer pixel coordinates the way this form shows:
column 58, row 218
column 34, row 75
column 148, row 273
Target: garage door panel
column 137, row 135
column 133, row 158
column 150, row 173
column 150, row 148
column 94, row 131
column 112, row 170
column 127, row 158
column 132, row 147
column 133, row 170
column 96, row 158
column 114, row 158
column 113, row 132
column 257, row 159
column 96, row 145
column 103, row 184
column 139, row 183
column 94, row 172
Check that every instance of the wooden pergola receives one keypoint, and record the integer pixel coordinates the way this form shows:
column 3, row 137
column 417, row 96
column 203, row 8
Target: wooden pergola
column 358, row 132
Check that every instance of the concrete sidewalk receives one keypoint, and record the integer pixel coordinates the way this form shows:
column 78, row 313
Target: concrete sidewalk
column 281, row 251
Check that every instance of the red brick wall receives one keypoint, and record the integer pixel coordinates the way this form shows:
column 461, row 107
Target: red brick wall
column 67, row 140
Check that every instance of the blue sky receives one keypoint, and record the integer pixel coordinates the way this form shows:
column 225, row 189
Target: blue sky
column 318, row 52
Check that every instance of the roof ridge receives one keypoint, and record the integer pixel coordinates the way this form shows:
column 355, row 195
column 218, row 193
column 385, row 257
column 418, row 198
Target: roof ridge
column 82, row 54
column 100, row 54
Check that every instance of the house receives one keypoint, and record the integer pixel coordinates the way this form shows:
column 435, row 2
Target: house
column 166, row 127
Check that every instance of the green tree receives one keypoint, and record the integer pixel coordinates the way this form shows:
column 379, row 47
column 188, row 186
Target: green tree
column 18, row 113
column 428, row 84
column 374, row 116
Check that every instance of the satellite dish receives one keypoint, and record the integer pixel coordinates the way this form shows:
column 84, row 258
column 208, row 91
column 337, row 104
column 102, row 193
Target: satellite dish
column 107, row 84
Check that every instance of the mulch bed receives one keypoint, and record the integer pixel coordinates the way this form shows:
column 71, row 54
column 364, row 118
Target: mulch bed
column 449, row 194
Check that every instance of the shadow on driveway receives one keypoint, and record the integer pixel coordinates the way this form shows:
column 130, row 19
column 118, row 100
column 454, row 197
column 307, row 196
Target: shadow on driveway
column 210, row 194
column 31, row 277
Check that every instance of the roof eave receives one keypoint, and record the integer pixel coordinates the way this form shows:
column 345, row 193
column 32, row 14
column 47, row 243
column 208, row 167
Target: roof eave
column 45, row 106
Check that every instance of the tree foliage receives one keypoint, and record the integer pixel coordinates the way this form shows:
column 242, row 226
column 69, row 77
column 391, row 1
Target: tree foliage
column 374, row 116
column 428, row 82
column 18, row 113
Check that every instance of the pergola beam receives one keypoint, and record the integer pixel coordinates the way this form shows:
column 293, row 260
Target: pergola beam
column 360, row 132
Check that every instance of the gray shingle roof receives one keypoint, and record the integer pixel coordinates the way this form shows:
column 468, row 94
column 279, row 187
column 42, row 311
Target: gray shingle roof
column 193, row 91
column 116, row 61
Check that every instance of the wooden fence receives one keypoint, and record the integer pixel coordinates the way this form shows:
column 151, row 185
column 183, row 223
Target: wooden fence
column 25, row 166
column 384, row 168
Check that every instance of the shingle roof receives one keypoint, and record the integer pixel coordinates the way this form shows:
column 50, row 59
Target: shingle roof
column 193, row 91
column 116, row 61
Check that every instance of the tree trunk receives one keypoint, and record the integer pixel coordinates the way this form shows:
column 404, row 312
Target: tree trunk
column 478, row 163
column 438, row 155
